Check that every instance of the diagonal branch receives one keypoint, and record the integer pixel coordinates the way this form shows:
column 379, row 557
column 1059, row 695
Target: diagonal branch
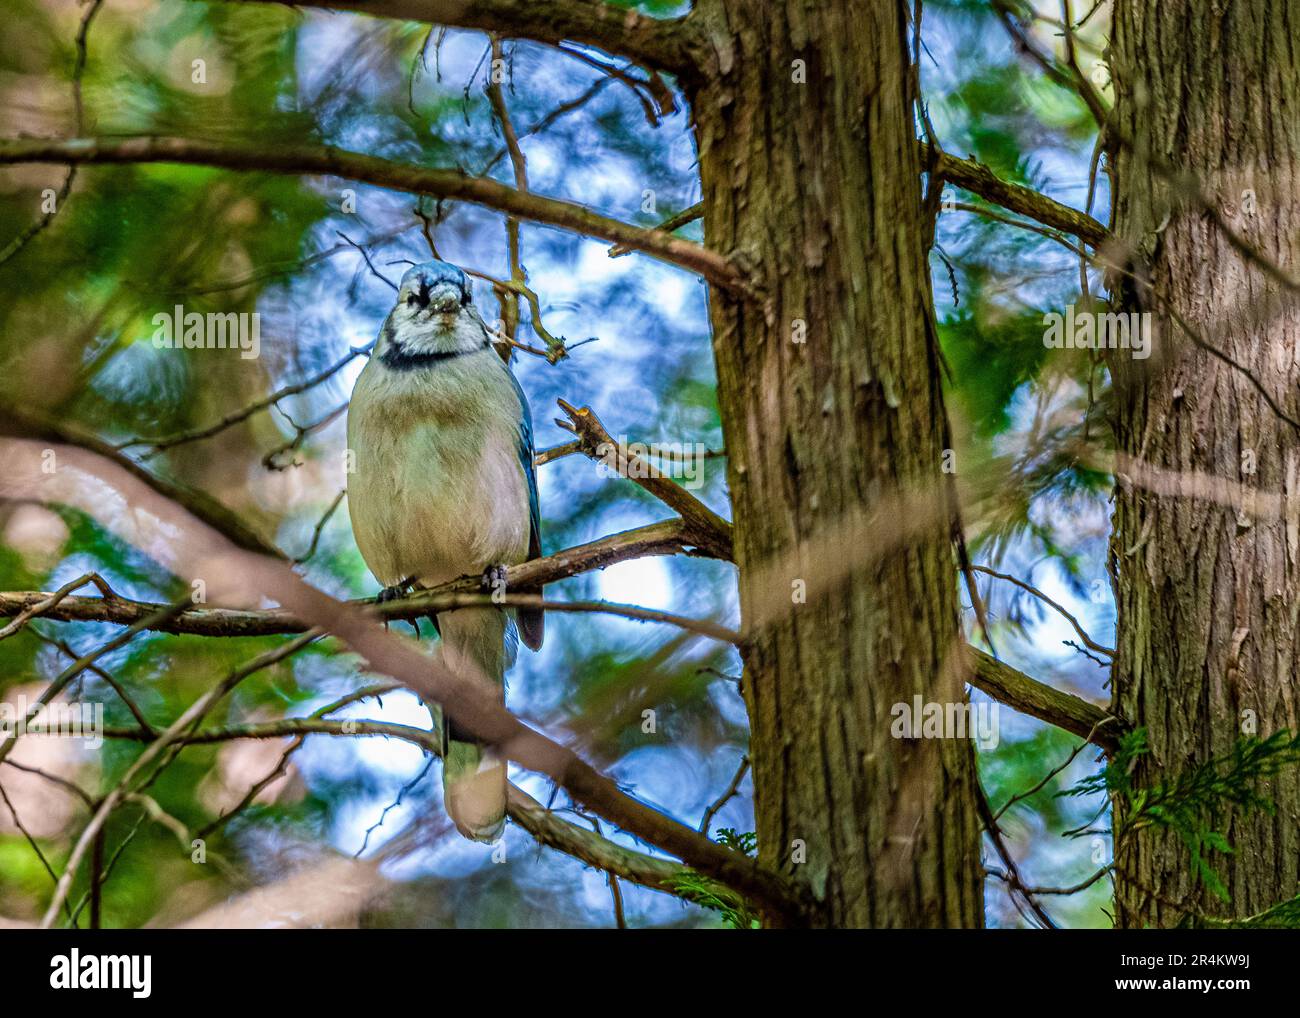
column 1030, row 588
column 15, row 421
column 665, row 43
column 324, row 160
column 236, row 416
column 1029, row 696
column 711, row 532
column 547, row 827
column 467, row 698
column 979, row 179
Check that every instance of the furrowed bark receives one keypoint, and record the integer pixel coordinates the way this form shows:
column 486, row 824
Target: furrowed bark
column 831, row 405
column 1208, row 589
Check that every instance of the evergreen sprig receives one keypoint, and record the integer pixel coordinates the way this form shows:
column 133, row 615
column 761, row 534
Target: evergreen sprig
column 1191, row 803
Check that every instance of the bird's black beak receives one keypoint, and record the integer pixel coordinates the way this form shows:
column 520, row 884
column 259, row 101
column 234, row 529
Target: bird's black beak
column 444, row 300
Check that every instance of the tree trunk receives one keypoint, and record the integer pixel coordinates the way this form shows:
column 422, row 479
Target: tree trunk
column 1206, row 584
column 829, row 391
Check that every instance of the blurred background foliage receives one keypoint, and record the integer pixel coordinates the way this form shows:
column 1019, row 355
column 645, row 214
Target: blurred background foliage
column 134, row 241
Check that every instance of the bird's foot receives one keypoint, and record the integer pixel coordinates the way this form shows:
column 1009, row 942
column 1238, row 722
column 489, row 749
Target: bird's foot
column 494, row 580
column 396, row 591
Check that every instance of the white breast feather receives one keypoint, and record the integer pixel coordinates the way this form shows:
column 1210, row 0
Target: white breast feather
column 438, row 490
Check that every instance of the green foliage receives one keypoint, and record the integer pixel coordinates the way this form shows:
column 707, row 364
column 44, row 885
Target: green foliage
column 745, row 843
column 1190, row 804
column 992, row 360
column 712, row 895
column 1283, row 916
column 734, row 911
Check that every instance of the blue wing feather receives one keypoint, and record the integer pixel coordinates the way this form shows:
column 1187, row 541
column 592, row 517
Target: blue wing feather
column 530, row 619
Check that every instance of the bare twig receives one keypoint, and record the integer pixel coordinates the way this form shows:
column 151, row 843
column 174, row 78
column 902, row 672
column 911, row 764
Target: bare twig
column 669, row 225
column 53, row 601
column 242, row 414
column 320, row 528
column 1088, row 640
column 156, row 746
column 711, row 530
column 726, row 796
column 34, row 845
column 1039, row 786
column 79, row 121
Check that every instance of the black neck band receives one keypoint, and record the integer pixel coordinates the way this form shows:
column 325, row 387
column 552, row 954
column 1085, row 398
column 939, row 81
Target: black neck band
column 399, row 360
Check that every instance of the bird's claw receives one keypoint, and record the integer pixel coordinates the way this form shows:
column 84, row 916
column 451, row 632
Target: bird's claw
column 494, row 579
column 396, row 592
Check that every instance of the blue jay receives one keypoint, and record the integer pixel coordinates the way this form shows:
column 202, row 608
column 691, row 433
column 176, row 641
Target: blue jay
column 443, row 486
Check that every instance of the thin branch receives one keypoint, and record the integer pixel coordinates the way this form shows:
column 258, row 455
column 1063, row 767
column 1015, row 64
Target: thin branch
column 63, row 647
column 386, row 173
column 79, row 125
column 173, row 732
column 712, row 532
column 378, row 689
column 669, row 225
column 360, row 249
column 275, row 458
column 556, row 114
column 1052, row 235
column 281, row 270
column 86, row 798
column 669, row 537
column 112, row 863
column 518, row 282
column 242, row 414
column 1040, row 785
column 1070, row 77
column 320, row 528
column 41, row 607
column 402, row 793
column 726, row 796
column 1088, row 640
column 65, row 677
column 1014, row 881
column 655, row 97
column 1081, row 886
column 655, row 450
column 31, row 841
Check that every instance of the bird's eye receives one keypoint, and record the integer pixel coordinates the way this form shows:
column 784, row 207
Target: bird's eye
column 411, row 300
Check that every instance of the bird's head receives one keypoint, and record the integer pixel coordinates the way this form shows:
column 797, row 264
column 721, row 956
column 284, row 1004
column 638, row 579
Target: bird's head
column 434, row 316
